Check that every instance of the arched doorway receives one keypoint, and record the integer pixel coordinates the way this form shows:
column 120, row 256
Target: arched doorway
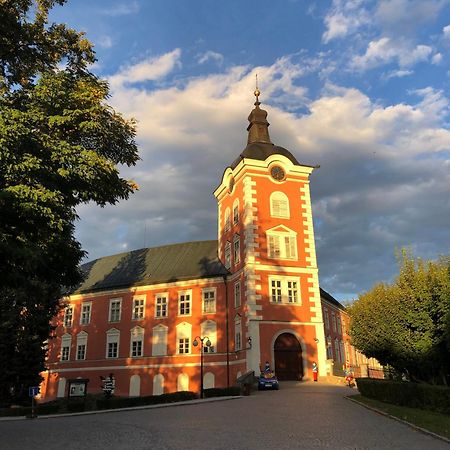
column 288, row 357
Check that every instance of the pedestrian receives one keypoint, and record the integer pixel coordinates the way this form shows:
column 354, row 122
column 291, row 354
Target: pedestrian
column 315, row 370
column 267, row 367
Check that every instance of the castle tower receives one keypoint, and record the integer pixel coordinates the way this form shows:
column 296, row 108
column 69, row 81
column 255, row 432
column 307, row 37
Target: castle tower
column 266, row 241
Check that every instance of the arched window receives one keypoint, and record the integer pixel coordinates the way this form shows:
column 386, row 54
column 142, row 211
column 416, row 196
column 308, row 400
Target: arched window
column 159, row 344
column 183, row 382
column 208, row 380
column 135, row 386
column 227, row 225
column 279, row 205
column 236, row 211
column 158, row 384
column 209, row 328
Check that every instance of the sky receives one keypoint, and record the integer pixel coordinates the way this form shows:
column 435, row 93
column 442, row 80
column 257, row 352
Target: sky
column 360, row 88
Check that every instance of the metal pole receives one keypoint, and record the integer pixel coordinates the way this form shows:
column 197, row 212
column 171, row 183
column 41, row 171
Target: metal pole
column 201, row 369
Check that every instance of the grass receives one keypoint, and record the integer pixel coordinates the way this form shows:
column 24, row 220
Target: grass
column 429, row 420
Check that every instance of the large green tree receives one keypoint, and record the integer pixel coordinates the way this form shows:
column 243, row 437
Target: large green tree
column 60, row 146
column 406, row 324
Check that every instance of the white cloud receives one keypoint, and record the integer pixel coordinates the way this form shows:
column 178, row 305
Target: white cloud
column 210, row 56
column 387, row 50
column 446, row 32
column 437, row 58
column 105, row 41
column 398, row 74
column 150, row 69
column 122, row 9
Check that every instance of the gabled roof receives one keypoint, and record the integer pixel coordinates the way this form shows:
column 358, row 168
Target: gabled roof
column 329, row 298
column 165, row 264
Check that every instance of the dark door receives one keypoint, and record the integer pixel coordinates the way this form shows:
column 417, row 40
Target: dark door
column 288, row 357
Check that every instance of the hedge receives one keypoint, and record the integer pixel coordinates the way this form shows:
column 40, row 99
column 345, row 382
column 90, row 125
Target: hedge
column 222, row 392
column 414, row 395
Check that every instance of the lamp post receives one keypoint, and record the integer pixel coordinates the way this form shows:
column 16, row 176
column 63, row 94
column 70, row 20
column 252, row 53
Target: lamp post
column 208, row 344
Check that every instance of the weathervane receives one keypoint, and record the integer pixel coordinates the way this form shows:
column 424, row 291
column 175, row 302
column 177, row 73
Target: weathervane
column 257, row 92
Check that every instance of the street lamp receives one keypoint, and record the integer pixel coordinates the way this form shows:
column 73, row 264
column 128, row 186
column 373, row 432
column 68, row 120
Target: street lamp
column 208, row 344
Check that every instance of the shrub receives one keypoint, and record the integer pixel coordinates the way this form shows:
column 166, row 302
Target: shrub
column 222, row 392
column 414, row 395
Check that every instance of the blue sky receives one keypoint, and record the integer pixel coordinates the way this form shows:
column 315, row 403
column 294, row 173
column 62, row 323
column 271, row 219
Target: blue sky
column 359, row 87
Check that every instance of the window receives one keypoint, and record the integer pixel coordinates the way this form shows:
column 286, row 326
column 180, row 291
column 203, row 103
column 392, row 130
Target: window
column 284, row 290
column 209, row 329
column 237, row 294
column 115, row 306
column 279, row 205
column 81, row 345
column 161, row 305
column 138, row 308
column 329, row 348
column 209, row 301
column 184, row 330
column 338, row 324
column 137, row 342
column 228, row 255
column 236, row 249
column 159, row 343
column 184, row 303
column 85, row 317
column 337, row 350
column 236, row 212
column 282, row 243
column 227, row 219
column 333, row 321
column 68, row 316
column 237, row 334
column 66, row 342
column 112, row 343
column 326, row 318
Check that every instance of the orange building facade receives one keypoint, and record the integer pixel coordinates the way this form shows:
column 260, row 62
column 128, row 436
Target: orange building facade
column 253, row 295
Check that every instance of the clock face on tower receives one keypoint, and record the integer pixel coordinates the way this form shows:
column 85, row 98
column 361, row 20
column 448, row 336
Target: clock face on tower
column 277, row 173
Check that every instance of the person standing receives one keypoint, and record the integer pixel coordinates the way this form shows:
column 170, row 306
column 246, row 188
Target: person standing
column 315, row 370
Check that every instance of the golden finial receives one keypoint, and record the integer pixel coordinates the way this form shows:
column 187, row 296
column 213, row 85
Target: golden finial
column 257, row 92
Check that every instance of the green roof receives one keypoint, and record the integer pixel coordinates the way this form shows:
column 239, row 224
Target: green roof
column 165, row 264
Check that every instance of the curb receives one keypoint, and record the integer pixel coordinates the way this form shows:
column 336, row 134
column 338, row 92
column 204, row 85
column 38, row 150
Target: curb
column 411, row 425
column 130, row 408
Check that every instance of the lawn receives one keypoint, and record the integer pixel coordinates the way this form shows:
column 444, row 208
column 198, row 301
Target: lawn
column 429, row 420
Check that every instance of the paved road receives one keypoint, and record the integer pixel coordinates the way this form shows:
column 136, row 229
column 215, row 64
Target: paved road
column 299, row 416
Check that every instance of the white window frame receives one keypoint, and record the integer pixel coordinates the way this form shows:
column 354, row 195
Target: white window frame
column 206, row 292
column 159, row 340
column 227, row 255
column 237, row 294
column 236, row 249
column 111, row 302
column 236, row 211
column 279, row 205
column 159, row 307
column 184, row 336
column 281, row 284
column 82, row 339
column 227, row 224
column 66, row 342
column 278, row 247
column 112, row 337
column 189, row 302
column 137, row 335
column 237, row 334
column 138, row 311
column 209, row 328
column 86, row 319
column 68, row 323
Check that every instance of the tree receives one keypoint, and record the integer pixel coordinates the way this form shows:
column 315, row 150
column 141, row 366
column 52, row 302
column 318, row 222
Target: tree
column 60, row 146
column 406, row 324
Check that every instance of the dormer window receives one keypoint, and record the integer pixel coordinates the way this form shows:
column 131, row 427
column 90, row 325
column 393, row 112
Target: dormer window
column 279, row 205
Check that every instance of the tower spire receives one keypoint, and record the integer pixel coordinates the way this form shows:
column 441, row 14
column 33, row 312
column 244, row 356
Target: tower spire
column 258, row 128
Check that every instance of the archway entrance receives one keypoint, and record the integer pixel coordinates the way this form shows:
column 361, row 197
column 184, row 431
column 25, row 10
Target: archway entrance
column 288, row 357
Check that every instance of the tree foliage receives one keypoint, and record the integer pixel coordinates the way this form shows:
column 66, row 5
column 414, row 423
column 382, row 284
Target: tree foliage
column 60, row 146
column 406, row 324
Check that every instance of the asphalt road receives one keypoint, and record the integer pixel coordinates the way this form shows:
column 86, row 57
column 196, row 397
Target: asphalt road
column 298, row 416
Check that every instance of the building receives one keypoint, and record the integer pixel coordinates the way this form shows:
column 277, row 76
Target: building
column 251, row 296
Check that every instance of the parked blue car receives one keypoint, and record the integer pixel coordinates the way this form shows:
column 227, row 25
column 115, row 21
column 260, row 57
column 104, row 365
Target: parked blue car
column 268, row 380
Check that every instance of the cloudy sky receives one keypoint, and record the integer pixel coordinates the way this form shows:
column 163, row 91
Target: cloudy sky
column 359, row 87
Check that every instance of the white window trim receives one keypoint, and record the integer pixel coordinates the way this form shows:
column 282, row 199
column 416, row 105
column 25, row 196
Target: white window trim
column 183, row 331
column 180, row 293
column 286, row 198
column 66, row 341
column 112, row 335
column 118, row 299
column 236, row 255
column 227, row 219
column 162, row 295
column 227, row 262
column 211, row 289
column 137, row 334
column 165, row 331
column 82, row 339
column 209, row 328
column 237, row 304
column 138, row 297
column 90, row 313
column 72, row 307
column 237, row 330
column 284, row 290
column 281, row 235
column 236, row 204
